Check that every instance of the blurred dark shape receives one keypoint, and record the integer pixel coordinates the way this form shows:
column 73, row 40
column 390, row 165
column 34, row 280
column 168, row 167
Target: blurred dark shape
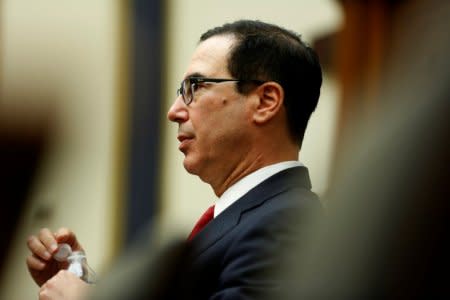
column 325, row 46
column 148, row 270
column 23, row 137
column 386, row 234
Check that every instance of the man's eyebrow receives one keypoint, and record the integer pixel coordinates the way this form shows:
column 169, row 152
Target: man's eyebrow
column 196, row 74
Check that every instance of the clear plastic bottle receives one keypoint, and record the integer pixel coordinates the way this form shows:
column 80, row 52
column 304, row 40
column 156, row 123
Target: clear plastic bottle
column 79, row 266
column 77, row 263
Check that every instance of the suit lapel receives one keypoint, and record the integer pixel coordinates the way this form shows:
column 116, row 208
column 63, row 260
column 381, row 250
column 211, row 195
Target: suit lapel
column 229, row 218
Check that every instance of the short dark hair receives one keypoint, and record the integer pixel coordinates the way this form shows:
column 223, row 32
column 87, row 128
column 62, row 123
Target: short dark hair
column 268, row 52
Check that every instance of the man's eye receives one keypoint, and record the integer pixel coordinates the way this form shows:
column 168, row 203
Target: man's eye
column 198, row 85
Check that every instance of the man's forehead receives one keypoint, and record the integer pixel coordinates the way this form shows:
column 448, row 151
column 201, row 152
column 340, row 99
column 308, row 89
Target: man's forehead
column 210, row 57
column 217, row 42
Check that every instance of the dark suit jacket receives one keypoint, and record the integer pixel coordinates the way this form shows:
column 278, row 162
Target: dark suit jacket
column 236, row 254
column 234, row 257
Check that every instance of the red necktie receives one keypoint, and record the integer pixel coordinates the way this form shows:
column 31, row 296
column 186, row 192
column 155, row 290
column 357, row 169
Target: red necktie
column 207, row 216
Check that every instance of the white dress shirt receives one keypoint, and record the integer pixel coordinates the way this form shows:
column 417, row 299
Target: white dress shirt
column 244, row 185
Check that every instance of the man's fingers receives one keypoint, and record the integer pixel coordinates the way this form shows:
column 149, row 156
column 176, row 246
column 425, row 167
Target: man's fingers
column 38, row 248
column 48, row 240
column 65, row 235
column 34, row 263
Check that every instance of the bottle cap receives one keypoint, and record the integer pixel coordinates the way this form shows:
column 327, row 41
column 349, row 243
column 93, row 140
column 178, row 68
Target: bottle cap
column 64, row 251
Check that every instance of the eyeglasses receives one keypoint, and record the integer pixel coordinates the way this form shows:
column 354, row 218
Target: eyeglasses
column 190, row 84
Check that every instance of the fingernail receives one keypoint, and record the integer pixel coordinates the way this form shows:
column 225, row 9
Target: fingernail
column 47, row 255
column 53, row 247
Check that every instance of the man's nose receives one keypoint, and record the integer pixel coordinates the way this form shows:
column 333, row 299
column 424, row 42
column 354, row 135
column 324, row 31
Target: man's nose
column 178, row 111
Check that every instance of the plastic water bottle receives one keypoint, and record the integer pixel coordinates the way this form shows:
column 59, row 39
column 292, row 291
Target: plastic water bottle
column 77, row 263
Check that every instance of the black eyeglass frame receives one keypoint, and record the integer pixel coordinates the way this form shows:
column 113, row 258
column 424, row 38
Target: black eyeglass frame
column 188, row 85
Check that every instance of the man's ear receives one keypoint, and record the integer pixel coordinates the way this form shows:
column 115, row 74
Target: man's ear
column 271, row 97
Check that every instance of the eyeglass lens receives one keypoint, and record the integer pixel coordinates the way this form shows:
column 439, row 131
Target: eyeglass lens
column 182, row 91
column 186, row 90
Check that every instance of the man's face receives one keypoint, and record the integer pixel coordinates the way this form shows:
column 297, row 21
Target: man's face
column 213, row 128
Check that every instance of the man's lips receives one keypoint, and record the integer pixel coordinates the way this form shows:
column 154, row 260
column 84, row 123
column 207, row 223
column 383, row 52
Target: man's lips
column 184, row 141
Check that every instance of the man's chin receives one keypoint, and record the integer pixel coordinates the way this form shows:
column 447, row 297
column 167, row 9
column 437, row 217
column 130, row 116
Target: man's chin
column 192, row 167
column 189, row 166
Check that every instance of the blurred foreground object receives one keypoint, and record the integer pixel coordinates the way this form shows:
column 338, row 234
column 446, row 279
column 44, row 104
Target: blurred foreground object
column 24, row 134
column 386, row 235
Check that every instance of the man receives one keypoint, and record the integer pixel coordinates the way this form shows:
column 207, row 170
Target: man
column 242, row 110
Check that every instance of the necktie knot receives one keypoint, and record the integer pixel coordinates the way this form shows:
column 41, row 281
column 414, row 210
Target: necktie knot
column 207, row 216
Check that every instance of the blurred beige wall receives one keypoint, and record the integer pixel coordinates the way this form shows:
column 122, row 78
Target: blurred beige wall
column 185, row 197
column 63, row 56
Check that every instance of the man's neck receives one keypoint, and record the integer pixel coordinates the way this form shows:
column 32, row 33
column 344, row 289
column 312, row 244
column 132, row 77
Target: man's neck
column 244, row 169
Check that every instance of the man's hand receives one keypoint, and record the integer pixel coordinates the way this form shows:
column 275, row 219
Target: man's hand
column 40, row 262
column 64, row 286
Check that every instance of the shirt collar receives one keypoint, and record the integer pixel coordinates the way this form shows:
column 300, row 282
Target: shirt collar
column 241, row 187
